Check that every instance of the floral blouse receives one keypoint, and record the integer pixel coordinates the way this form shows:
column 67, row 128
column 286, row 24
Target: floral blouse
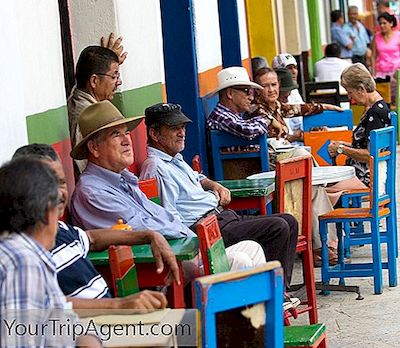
column 283, row 110
column 377, row 116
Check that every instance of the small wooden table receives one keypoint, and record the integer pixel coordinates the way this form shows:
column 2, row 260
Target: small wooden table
column 250, row 194
column 184, row 249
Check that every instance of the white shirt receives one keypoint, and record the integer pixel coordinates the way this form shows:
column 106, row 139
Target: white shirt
column 330, row 69
column 294, row 123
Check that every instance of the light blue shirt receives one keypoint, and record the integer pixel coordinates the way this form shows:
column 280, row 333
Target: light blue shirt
column 361, row 38
column 339, row 36
column 101, row 197
column 179, row 186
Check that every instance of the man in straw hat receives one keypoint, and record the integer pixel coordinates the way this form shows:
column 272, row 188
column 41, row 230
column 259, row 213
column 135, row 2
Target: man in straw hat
column 235, row 96
column 107, row 191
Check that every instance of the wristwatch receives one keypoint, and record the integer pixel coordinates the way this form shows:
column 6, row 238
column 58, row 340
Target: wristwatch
column 339, row 150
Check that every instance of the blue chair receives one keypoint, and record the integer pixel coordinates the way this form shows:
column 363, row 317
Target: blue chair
column 382, row 206
column 231, row 290
column 329, row 119
column 354, row 199
column 222, row 140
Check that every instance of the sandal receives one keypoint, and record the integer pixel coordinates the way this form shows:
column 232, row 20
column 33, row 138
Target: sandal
column 332, row 254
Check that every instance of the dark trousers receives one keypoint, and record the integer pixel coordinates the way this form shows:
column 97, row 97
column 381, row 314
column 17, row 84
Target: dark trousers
column 277, row 235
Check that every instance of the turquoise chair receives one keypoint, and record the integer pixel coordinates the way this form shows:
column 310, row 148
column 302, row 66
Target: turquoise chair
column 231, row 290
column 382, row 206
column 329, row 118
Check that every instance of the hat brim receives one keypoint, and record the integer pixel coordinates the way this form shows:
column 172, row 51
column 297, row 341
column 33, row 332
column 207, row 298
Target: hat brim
column 79, row 152
column 236, row 83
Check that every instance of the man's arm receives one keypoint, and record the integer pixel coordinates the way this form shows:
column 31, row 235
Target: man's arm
column 101, row 239
column 144, row 301
column 222, row 193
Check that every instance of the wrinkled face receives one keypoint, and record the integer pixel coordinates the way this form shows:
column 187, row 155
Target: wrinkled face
column 107, row 84
column 113, row 150
column 57, row 167
column 353, row 15
column 270, row 84
column 293, row 70
column 384, row 25
column 241, row 96
column 169, row 139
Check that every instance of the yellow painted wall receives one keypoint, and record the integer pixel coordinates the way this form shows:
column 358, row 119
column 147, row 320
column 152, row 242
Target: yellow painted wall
column 262, row 28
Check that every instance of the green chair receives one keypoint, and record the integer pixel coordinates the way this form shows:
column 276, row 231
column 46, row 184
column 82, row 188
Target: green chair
column 309, row 336
column 123, row 270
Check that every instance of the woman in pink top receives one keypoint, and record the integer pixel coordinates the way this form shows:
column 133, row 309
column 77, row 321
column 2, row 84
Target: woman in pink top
column 386, row 49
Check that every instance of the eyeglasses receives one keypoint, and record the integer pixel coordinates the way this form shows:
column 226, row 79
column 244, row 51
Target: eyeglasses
column 245, row 90
column 114, row 77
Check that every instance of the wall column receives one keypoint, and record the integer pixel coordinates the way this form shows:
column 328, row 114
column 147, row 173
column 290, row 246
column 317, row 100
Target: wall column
column 313, row 14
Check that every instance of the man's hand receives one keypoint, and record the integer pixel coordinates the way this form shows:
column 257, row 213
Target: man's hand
column 162, row 252
column 115, row 45
column 223, row 194
column 143, row 302
column 298, row 135
column 332, row 148
column 282, row 130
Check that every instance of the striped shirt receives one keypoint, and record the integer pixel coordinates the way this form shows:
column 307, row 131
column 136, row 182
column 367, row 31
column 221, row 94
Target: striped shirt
column 76, row 274
column 29, row 292
column 224, row 119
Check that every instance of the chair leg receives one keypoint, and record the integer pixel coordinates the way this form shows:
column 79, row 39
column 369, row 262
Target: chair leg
column 341, row 252
column 391, row 250
column 324, row 254
column 376, row 256
column 309, row 277
column 347, row 252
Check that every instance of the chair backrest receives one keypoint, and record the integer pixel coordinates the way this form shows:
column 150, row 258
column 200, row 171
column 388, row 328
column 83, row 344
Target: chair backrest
column 123, row 271
column 319, row 141
column 196, row 163
column 329, row 118
column 223, row 140
column 383, row 168
column 212, row 246
column 383, row 88
column 314, row 92
column 150, row 189
column 294, row 191
column 221, row 293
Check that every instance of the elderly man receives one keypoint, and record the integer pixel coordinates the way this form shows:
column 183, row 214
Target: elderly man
column 357, row 31
column 76, row 275
column 235, row 96
column 107, row 191
column 29, row 293
column 191, row 196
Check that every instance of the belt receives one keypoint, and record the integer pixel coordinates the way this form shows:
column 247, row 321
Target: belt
column 214, row 211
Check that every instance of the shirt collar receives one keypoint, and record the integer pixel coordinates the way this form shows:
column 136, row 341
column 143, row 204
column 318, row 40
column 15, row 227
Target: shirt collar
column 109, row 176
column 38, row 249
column 226, row 109
column 153, row 152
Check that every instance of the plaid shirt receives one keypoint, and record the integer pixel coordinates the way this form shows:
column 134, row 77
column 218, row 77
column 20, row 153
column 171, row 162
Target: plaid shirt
column 29, row 292
column 224, row 119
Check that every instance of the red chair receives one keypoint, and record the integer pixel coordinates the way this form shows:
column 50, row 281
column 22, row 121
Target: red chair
column 196, row 163
column 123, row 271
column 291, row 171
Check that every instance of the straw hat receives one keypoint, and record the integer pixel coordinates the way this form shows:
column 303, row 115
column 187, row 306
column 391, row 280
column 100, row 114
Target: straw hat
column 234, row 76
column 96, row 117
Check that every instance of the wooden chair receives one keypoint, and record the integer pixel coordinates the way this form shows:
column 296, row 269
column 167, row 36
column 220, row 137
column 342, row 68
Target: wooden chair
column 233, row 290
column 382, row 206
column 196, row 163
column 294, row 192
column 150, row 189
column 123, row 270
column 221, row 141
column 319, row 142
column 311, row 336
column 329, row 118
column 315, row 92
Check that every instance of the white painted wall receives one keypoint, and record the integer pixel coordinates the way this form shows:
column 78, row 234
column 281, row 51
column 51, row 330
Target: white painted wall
column 31, row 79
column 324, row 22
column 244, row 42
column 208, row 39
column 304, row 26
column 139, row 22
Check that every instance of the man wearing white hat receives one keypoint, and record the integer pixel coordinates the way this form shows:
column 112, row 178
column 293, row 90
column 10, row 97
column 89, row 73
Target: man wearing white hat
column 235, row 96
column 286, row 60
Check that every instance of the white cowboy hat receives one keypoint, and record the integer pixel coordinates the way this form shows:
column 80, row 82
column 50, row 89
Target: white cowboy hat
column 234, row 76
